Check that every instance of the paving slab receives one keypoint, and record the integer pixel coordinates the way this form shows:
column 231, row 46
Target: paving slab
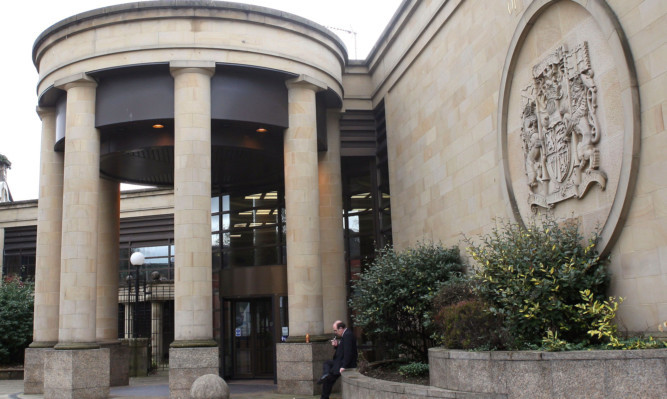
column 157, row 387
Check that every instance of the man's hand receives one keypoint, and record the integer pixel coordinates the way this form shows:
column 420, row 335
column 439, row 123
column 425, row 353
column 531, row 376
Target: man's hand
column 341, row 370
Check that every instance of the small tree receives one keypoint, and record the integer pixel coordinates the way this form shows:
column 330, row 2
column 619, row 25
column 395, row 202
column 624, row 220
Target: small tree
column 392, row 298
column 16, row 309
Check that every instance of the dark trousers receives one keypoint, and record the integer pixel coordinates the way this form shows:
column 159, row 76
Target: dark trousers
column 327, row 368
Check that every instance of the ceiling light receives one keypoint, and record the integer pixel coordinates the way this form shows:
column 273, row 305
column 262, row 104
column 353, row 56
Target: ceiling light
column 261, row 130
column 158, row 126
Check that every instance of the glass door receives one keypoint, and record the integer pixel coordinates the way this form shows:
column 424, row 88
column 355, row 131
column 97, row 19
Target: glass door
column 248, row 340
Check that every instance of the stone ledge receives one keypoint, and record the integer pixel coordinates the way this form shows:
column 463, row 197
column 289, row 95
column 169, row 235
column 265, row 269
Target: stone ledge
column 11, row 374
column 599, row 373
column 357, row 385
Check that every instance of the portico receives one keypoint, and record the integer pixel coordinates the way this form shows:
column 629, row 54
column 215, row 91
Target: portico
column 219, row 120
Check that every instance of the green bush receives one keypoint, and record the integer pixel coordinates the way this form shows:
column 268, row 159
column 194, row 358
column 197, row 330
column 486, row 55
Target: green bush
column 414, row 370
column 458, row 289
column 391, row 301
column 534, row 277
column 16, row 308
column 469, row 325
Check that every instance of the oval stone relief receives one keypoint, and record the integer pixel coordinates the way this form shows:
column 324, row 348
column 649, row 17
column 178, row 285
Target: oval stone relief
column 569, row 117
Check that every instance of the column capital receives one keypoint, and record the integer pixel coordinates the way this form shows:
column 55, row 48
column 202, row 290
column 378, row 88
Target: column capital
column 182, row 66
column 44, row 111
column 307, row 82
column 76, row 80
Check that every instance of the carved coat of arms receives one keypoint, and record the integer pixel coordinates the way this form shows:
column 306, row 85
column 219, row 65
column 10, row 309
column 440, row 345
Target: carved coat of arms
column 559, row 129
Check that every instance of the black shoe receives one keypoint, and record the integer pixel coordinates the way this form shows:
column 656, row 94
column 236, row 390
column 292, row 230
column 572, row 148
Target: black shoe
column 322, row 379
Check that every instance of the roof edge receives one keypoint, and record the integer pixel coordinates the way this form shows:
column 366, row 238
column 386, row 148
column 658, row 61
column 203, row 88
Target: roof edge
column 180, row 4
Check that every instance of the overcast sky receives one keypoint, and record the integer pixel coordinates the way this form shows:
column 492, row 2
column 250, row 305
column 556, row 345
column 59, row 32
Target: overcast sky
column 23, row 20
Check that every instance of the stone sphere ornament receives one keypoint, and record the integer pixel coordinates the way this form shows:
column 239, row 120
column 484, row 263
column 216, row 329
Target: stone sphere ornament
column 209, row 386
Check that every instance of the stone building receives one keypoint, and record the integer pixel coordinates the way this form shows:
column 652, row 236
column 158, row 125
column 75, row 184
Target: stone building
column 284, row 157
column 5, row 194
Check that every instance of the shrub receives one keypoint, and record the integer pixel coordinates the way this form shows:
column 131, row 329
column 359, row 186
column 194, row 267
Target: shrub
column 391, row 300
column 469, row 325
column 534, row 277
column 16, row 308
column 458, row 289
column 414, row 370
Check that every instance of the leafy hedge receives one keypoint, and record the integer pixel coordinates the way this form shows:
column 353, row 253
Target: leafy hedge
column 534, row 277
column 16, row 309
column 392, row 300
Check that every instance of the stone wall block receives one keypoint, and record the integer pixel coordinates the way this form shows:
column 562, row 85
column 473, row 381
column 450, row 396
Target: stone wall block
column 527, row 379
column 33, row 366
column 189, row 358
column 580, row 376
column 120, row 361
column 299, row 371
column 590, row 374
column 77, row 373
column 642, row 378
column 188, row 364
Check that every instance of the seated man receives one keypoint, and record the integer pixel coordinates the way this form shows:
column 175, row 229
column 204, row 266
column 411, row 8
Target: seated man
column 345, row 357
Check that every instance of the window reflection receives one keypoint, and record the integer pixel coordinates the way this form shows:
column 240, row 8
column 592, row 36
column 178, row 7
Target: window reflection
column 252, row 229
column 158, row 258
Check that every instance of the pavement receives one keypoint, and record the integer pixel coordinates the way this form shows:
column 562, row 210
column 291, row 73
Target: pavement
column 157, row 387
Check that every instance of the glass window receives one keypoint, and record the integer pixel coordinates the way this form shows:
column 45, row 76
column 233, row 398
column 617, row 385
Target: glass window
column 252, row 228
column 367, row 217
column 150, row 252
column 158, row 258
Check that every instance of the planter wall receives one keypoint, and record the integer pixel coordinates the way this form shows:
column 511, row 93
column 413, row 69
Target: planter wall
column 356, row 385
column 590, row 374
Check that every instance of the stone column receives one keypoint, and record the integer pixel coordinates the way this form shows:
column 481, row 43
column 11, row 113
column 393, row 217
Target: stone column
column 304, row 272
column 47, row 259
column 78, row 365
column 107, row 261
column 332, row 248
column 108, row 247
column 194, row 352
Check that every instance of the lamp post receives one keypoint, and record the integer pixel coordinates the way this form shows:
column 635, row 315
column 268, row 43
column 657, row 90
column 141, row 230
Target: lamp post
column 136, row 259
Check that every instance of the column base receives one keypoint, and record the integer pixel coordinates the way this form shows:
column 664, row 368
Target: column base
column 75, row 374
column 119, row 353
column 299, row 366
column 186, row 364
column 33, row 367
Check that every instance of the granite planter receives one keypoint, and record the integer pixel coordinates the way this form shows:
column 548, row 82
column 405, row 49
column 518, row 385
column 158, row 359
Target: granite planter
column 592, row 374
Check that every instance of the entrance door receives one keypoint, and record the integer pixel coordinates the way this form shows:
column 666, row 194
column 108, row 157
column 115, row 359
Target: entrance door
column 248, row 338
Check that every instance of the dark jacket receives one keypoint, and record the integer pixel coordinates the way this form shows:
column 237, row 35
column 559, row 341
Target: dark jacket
column 346, row 352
